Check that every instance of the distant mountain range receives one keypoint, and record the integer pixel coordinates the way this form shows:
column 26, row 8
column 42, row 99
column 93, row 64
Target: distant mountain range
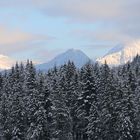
column 119, row 55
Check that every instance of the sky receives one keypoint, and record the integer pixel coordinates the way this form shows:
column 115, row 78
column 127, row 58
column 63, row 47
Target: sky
column 41, row 29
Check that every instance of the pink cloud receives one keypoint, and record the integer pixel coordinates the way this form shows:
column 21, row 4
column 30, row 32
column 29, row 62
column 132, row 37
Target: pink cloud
column 14, row 36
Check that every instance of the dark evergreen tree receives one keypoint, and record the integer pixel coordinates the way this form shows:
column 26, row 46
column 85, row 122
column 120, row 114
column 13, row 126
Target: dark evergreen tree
column 86, row 97
column 61, row 113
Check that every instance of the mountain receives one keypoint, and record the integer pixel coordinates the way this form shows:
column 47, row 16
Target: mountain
column 5, row 62
column 121, row 54
column 77, row 56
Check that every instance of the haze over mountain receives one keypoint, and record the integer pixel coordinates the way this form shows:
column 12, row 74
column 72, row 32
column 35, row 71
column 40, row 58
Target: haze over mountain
column 121, row 54
column 77, row 56
column 5, row 62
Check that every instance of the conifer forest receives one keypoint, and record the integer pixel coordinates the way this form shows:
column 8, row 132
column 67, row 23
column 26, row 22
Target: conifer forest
column 96, row 102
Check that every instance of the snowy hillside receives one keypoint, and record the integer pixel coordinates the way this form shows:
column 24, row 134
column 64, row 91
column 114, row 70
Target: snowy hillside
column 5, row 62
column 77, row 56
column 121, row 54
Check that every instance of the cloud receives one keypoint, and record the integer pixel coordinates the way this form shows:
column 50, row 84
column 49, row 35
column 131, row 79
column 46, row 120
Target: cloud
column 122, row 14
column 15, row 40
column 91, row 10
column 82, row 10
column 101, row 36
column 8, row 36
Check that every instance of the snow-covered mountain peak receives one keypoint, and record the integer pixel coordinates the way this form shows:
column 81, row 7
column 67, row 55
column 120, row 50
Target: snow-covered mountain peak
column 72, row 52
column 77, row 56
column 121, row 54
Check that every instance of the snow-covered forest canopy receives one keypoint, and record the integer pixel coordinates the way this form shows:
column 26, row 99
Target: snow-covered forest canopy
column 66, row 103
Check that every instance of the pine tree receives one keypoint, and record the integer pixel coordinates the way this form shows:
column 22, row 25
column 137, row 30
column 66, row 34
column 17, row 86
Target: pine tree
column 16, row 115
column 94, row 114
column 106, row 99
column 43, row 112
column 30, row 88
column 61, row 113
column 85, row 99
column 127, row 128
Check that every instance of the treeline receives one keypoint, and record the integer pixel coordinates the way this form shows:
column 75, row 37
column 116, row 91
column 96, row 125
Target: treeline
column 91, row 103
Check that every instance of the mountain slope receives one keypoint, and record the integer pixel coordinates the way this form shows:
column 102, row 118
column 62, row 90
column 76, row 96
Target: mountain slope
column 121, row 54
column 5, row 62
column 77, row 56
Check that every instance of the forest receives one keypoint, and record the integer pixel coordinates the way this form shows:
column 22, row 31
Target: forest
column 95, row 102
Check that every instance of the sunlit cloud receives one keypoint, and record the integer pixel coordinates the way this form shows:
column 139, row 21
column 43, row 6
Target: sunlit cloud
column 16, row 40
column 14, row 36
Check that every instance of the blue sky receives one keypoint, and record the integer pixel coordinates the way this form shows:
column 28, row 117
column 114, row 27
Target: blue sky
column 41, row 29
